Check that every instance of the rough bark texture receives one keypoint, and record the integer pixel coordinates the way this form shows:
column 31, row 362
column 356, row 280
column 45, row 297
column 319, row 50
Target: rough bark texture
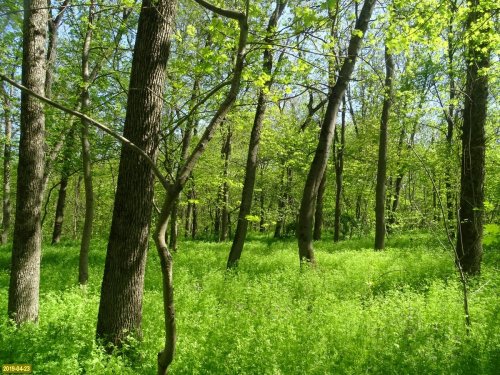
column 253, row 147
column 224, row 213
column 382, row 155
column 26, row 250
column 470, row 229
column 120, row 308
column 339, row 176
column 6, row 206
column 306, row 212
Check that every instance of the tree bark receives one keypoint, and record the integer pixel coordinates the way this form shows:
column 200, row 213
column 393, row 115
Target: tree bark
column 306, row 212
column 120, row 308
column 470, row 228
column 6, row 206
column 253, row 147
column 382, row 154
column 26, row 250
column 339, row 176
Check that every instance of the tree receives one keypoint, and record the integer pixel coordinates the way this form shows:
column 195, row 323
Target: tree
column 382, row 154
column 120, row 308
column 253, row 148
column 471, row 211
column 306, row 212
column 26, row 249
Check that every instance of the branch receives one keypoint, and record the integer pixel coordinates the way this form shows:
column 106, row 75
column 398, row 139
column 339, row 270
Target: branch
column 97, row 124
column 222, row 12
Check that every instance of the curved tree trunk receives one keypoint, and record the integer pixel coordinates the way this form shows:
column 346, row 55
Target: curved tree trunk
column 120, row 308
column 26, row 249
column 253, row 147
column 307, row 205
column 382, row 155
column 470, row 228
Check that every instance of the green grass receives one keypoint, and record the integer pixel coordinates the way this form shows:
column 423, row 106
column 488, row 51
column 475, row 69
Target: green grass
column 393, row 312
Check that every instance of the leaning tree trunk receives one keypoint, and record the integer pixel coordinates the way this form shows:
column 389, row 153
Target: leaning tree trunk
column 339, row 176
column 6, row 206
column 382, row 155
column 470, row 228
column 253, row 147
column 26, row 250
column 120, row 308
column 306, row 212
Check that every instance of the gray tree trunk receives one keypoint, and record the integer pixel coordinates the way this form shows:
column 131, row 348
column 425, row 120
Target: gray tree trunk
column 26, row 250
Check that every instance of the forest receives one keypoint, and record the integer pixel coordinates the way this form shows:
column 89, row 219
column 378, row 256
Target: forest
column 250, row 187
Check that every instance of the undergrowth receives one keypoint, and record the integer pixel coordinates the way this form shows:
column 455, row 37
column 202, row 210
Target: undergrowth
column 398, row 311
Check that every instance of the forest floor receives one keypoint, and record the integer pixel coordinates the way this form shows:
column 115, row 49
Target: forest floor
column 399, row 311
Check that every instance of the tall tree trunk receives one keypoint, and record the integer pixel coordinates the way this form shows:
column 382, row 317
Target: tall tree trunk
column 382, row 154
column 450, row 121
column 26, row 250
column 83, row 269
column 120, row 308
column 6, row 207
column 339, row 175
column 470, row 229
column 306, row 212
column 253, row 147
column 61, row 197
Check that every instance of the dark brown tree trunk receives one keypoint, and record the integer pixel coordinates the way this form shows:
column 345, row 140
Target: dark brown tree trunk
column 318, row 214
column 280, row 223
column 450, row 121
column 306, row 212
column 339, row 176
column 173, row 227
column 471, row 211
column 382, row 154
column 83, row 269
column 61, row 203
column 26, row 250
column 61, row 198
column 253, row 147
column 6, row 206
column 120, row 308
